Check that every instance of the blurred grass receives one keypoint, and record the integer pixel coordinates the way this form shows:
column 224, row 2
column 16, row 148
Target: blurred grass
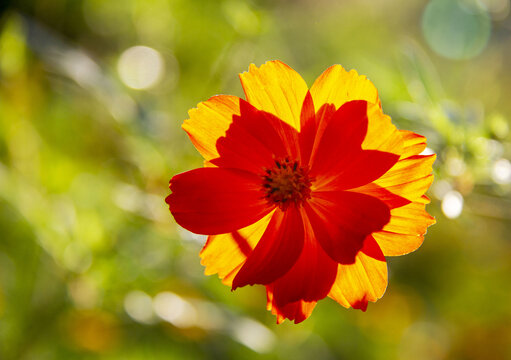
column 90, row 259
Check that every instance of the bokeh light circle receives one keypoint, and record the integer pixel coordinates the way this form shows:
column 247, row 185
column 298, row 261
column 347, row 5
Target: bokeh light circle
column 140, row 67
column 138, row 305
column 456, row 29
column 452, row 204
column 501, row 171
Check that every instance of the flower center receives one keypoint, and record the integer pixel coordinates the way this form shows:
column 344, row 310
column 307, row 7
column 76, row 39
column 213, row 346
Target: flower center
column 287, row 183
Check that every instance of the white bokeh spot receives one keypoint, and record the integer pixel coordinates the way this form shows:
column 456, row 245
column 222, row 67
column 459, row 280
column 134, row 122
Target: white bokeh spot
column 140, row 67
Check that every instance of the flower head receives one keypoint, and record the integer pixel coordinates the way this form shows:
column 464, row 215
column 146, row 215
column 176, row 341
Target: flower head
column 304, row 191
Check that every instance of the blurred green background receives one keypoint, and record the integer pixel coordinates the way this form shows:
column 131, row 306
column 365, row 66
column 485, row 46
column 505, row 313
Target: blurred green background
column 92, row 96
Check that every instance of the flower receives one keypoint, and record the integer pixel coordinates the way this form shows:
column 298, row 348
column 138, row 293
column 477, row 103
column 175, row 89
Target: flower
column 304, row 191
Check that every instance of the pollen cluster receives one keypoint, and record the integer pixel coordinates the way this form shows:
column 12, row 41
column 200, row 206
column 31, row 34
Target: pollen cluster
column 287, row 183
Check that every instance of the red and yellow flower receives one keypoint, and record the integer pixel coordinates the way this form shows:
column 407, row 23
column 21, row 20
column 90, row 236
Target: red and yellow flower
column 304, row 191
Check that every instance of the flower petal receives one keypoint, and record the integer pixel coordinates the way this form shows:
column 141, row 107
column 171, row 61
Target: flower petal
column 215, row 201
column 339, row 161
column 229, row 132
column 277, row 251
column 342, row 220
column 313, row 129
column 337, row 86
column 363, row 281
column 254, row 139
column 209, row 122
column 310, row 278
column 342, row 138
column 409, row 178
column 405, row 231
column 366, row 166
column 308, row 128
column 224, row 254
column 381, row 134
column 296, row 311
column 390, row 199
column 275, row 88
column 414, row 143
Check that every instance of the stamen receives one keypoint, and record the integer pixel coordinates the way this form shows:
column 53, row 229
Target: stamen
column 287, row 183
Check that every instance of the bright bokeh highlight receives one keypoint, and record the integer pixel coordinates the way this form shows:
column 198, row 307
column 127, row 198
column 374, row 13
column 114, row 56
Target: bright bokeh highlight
column 452, row 204
column 140, row 67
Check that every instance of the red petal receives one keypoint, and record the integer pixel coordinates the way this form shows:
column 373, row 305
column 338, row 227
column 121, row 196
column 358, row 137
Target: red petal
column 313, row 129
column 253, row 139
column 308, row 129
column 342, row 220
column 390, row 199
column 339, row 161
column 297, row 311
column 342, row 137
column 216, row 201
column 277, row 251
column 364, row 167
column 310, row 278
